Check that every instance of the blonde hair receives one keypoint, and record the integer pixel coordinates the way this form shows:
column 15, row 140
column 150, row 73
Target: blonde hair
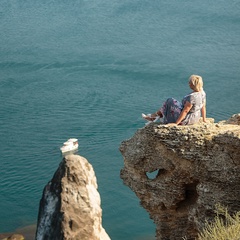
column 196, row 82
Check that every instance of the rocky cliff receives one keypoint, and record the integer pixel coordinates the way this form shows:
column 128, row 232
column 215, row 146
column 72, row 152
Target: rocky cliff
column 180, row 173
column 70, row 205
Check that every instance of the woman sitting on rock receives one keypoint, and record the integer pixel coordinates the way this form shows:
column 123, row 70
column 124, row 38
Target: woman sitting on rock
column 189, row 111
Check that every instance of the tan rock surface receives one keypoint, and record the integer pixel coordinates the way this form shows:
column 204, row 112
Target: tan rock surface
column 14, row 237
column 70, row 206
column 192, row 169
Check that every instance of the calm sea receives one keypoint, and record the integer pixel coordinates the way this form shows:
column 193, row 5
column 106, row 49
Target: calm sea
column 88, row 69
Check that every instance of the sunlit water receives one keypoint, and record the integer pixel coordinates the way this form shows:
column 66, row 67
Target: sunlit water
column 88, row 69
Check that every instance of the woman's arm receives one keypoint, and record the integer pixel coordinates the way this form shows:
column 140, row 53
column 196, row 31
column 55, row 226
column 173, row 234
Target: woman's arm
column 203, row 112
column 184, row 112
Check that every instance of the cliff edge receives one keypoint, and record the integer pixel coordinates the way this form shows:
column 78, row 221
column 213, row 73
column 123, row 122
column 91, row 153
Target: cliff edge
column 180, row 173
column 70, row 205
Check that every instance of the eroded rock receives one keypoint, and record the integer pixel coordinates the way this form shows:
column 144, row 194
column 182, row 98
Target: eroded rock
column 14, row 237
column 180, row 173
column 70, row 205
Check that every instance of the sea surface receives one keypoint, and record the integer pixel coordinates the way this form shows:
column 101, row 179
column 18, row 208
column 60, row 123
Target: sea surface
column 88, row 69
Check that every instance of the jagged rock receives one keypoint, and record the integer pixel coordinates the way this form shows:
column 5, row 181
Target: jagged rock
column 235, row 119
column 14, row 237
column 70, row 205
column 180, row 173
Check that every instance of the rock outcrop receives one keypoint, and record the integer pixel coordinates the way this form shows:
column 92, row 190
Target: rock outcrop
column 14, row 237
column 180, row 173
column 70, row 205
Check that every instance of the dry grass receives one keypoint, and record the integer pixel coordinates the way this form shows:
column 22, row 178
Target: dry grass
column 224, row 226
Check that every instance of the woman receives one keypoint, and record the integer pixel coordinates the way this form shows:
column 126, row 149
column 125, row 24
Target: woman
column 189, row 111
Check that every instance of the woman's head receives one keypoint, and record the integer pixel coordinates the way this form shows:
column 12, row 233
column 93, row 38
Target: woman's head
column 196, row 83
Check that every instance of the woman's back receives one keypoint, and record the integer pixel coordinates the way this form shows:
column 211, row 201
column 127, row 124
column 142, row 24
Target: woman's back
column 197, row 99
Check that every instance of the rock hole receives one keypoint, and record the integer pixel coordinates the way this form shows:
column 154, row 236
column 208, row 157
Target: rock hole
column 155, row 174
column 191, row 197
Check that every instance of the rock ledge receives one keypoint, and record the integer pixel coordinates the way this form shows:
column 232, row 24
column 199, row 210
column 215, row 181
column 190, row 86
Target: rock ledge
column 180, row 173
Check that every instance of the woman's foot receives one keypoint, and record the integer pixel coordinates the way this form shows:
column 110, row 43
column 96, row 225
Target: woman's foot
column 148, row 117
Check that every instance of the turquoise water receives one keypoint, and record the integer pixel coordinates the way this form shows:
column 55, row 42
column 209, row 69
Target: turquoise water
column 88, row 69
